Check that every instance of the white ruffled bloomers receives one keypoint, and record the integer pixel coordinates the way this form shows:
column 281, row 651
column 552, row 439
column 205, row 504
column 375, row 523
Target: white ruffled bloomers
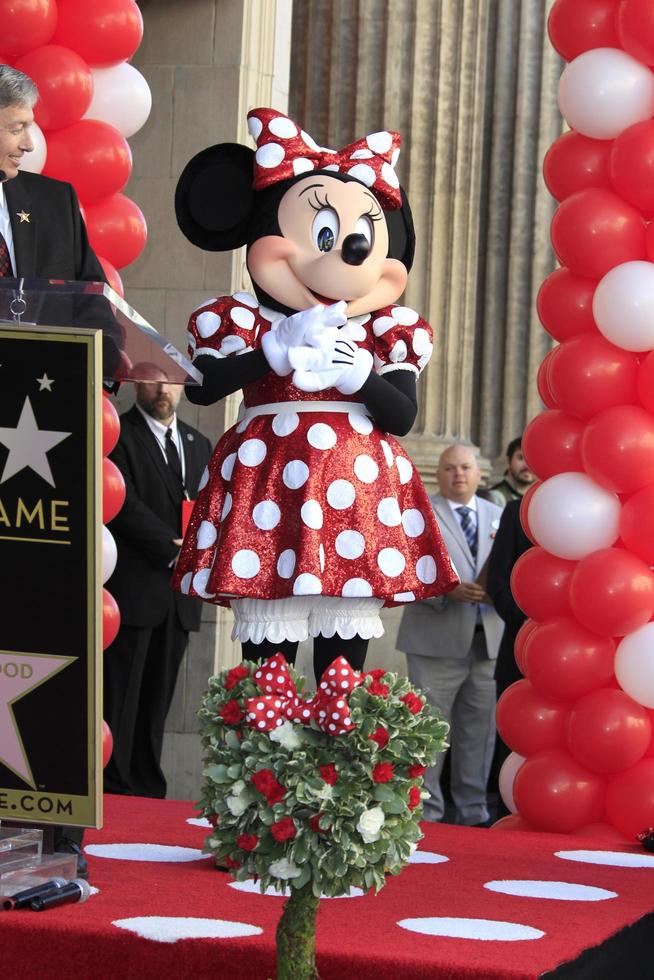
column 299, row 617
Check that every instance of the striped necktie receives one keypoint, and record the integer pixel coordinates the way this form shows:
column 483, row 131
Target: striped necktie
column 5, row 259
column 469, row 528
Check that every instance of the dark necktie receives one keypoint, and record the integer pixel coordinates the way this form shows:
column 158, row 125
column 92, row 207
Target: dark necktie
column 468, row 527
column 5, row 259
column 172, row 456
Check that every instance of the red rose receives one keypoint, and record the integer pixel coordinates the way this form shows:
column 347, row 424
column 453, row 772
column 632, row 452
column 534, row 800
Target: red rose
column 235, row 675
column 413, row 703
column 231, row 713
column 415, row 797
column 376, row 674
column 416, row 771
column 213, row 819
column 247, row 842
column 314, row 823
column 229, row 862
column 376, row 687
column 383, row 772
column 380, row 736
column 265, row 782
column 328, row 774
column 283, row 830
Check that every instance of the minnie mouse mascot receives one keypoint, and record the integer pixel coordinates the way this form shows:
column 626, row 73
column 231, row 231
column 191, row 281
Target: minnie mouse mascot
column 310, row 517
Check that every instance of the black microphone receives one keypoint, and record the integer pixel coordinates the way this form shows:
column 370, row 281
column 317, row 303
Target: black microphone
column 76, row 890
column 22, row 899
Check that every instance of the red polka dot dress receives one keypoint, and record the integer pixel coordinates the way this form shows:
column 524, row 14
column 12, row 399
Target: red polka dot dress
column 306, row 496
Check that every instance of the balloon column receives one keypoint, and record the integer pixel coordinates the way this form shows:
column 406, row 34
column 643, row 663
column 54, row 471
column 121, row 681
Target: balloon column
column 581, row 722
column 91, row 101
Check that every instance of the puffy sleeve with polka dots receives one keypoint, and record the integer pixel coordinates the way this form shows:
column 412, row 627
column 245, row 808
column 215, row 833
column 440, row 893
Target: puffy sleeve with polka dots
column 224, row 326
column 402, row 340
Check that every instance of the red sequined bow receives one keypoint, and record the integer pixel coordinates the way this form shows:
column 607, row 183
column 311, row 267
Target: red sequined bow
column 284, row 150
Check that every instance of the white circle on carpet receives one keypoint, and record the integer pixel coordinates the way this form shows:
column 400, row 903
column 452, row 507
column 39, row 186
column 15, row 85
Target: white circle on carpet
column 146, row 852
column 459, row 928
column 199, row 822
column 427, row 857
column 565, row 891
column 252, row 886
column 614, row 859
column 171, row 928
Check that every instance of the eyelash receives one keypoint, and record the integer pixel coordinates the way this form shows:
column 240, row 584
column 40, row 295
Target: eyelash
column 317, row 205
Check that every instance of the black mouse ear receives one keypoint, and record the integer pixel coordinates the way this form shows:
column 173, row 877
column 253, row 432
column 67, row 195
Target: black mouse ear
column 401, row 233
column 214, row 199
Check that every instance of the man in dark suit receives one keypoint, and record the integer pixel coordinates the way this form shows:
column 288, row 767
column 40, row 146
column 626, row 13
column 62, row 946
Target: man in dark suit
column 162, row 460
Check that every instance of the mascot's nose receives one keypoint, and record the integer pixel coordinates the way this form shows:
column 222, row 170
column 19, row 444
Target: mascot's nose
column 356, row 249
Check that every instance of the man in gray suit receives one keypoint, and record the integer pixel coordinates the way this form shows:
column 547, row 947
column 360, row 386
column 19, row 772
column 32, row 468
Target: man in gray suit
column 451, row 642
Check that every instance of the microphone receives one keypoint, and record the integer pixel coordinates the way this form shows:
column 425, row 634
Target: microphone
column 23, row 898
column 76, row 890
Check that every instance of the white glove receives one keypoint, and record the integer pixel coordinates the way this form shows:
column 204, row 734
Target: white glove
column 338, row 363
column 303, row 328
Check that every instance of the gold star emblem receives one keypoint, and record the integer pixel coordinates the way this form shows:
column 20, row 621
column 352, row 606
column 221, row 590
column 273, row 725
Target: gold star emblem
column 24, row 216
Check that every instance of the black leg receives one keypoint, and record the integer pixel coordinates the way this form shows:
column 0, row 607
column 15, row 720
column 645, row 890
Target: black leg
column 326, row 649
column 261, row 651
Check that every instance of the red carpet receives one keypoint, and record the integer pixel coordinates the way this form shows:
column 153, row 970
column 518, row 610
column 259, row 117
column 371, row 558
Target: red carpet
column 357, row 937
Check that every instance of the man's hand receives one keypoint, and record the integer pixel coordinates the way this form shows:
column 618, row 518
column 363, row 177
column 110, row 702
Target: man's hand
column 467, row 592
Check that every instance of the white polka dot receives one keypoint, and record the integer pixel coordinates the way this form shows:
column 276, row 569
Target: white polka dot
column 360, row 423
column 242, row 425
column 364, row 173
column 185, row 584
column 350, row 544
column 355, row 331
column 404, row 468
column 321, row 436
column 207, row 534
column 269, row 155
column 395, row 155
column 301, row 165
column 366, row 469
column 388, row 512
column 311, row 514
column 356, row 587
column 321, row 558
column 361, row 155
column 242, row 318
column 247, row 298
column 295, row 474
column 413, row 523
column 391, row 561
column 253, row 887
column 420, row 341
column 171, row 928
column 331, row 166
column 380, row 142
column 245, row 563
column 200, row 580
column 227, row 506
column 427, row 857
column 158, row 853
column 404, row 597
column 389, row 175
column 285, row 423
column 204, row 479
column 612, row 859
column 382, row 324
column 424, row 359
column 307, row 584
column 561, row 890
column 282, row 127
column 309, row 140
column 266, row 515
column 199, row 822
column 387, row 451
column 190, row 340
column 460, row 928
column 426, row 569
column 207, row 323
column 232, row 345
column 405, row 315
column 255, row 126
column 251, row 452
column 227, row 468
column 205, row 302
column 398, row 352
column 340, row 494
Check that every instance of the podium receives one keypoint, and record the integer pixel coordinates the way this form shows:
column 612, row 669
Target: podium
column 58, row 342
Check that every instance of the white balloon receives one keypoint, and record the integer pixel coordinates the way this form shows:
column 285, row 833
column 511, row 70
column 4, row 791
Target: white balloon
column 623, row 306
column 506, row 779
column 34, row 161
column 121, row 97
column 634, row 665
column 605, row 90
column 109, row 554
column 571, row 516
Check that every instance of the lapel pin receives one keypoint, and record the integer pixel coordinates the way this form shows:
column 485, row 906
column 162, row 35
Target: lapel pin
column 189, row 436
column 24, row 216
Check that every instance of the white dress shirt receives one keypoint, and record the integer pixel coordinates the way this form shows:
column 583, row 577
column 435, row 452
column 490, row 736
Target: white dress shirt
column 159, row 432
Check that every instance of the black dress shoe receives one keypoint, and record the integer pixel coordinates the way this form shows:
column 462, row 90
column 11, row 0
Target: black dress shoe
column 67, row 846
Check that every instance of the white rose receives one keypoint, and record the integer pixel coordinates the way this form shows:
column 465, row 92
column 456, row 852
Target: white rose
column 287, row 735
column 284, row 869
column 370, row 823
column 236, row 805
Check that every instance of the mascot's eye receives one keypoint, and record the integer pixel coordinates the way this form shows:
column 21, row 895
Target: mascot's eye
column 324, row 230
column 364, row 227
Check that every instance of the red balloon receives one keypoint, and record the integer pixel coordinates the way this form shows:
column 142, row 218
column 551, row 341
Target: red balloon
column 649, row 241
column 618, row 448
column 594, row 230
column 107, row 743
column 565, row 662
column 612, row 592
column 105, row 32
column 26, row 24
column 65, row 85
column 110, row 425
column 110, row 619
column 551, row 444
column 589, row 374
column 113, row 278
column 607, row 731
column 113, row 490
column 542, row 380
column 117, row 229
column 92, row 156
column 554, row 792
column 600, row 831
column 631, row 165
column 649, row 751
column 540, row 583
column 565, row 304
column 574, row 163
column 637, row 524
column 645, row 383
column 575, row 26
column 529, row 722
column 630, row 799
column 512, row 822
column 634, row 24
column 524, row 509
column 520, row 643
